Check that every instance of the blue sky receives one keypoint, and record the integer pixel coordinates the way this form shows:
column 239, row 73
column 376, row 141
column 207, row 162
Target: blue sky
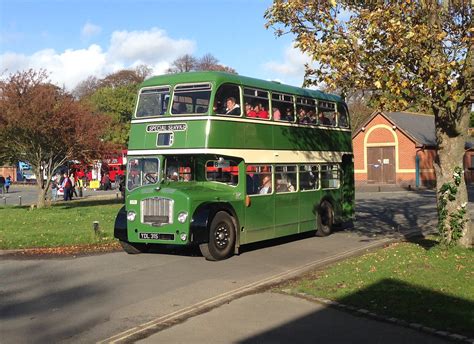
column 74, row 39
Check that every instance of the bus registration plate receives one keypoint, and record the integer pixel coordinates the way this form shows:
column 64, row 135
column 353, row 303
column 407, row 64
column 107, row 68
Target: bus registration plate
column 150, row 236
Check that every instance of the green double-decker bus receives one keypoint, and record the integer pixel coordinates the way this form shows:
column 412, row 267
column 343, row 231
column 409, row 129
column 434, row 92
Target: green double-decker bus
column 222, row 160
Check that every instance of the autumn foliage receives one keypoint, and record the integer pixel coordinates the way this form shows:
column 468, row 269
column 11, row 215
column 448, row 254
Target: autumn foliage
column 45, row 126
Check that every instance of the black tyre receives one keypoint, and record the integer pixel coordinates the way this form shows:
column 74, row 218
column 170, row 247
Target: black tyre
column 221, row 238
column 134, row 248
column 325, row 221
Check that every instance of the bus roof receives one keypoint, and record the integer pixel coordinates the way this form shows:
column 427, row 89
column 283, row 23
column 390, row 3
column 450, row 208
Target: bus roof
column 221, row 77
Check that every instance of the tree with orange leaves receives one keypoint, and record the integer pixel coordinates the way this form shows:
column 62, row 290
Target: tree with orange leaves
column 45, row 126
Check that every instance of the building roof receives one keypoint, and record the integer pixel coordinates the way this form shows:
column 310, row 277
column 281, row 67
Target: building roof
column 420, row 127
column 417, row 126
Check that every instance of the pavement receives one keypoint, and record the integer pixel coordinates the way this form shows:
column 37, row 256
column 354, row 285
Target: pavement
column 279, row 318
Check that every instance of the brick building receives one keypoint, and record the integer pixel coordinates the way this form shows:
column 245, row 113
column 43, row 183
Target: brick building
column 395, row 148
column 8, row 171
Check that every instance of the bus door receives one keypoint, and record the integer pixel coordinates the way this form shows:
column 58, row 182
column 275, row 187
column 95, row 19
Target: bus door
column 259, row 215
column 310, row 195
column 286, row 200
column 331, row 186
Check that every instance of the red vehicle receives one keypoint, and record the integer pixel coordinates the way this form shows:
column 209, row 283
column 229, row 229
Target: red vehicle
column 114, row 166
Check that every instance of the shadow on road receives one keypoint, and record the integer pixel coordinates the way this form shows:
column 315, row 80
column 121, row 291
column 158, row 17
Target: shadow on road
column 29, row 310
column 403, row 214
column 391, row 298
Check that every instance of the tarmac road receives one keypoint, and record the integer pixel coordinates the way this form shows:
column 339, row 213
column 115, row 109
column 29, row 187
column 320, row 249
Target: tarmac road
column 27, row 195
column 93, row 298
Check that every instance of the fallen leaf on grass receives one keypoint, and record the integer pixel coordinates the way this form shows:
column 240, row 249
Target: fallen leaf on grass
column 70, row 250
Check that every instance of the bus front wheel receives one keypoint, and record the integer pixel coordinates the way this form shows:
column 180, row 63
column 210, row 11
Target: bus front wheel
column 325, row 220
column 221, row 238
column 134, row 248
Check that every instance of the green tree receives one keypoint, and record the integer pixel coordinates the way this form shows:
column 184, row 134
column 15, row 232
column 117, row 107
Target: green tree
column 115, row 95
column 405, row 52
column 45, row 126
column 118, row 103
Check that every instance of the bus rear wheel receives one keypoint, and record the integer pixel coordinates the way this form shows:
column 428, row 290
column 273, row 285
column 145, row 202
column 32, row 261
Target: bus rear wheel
column 325, row 220
column 134, row 248
column 221, row 238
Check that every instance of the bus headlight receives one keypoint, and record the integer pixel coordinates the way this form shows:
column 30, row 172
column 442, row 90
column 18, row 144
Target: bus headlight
column 131, row 216
column 182, row 216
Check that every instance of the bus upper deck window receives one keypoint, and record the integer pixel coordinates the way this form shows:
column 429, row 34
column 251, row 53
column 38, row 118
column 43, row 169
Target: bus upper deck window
column 306, row 111
column 256, row 103
column 343, row 120
column 282, row 107
column 153, row 102
column 227, row 100
column 327, row 114
column 191, row 99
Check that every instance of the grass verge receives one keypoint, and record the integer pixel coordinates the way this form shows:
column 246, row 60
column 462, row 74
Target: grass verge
column 63, row 224
column 418, row 282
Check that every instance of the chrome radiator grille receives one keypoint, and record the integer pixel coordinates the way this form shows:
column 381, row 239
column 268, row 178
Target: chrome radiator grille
column 157, row 211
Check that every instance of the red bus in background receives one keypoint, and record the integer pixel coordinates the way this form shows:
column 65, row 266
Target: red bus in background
column 113, row 164
column 114, row 167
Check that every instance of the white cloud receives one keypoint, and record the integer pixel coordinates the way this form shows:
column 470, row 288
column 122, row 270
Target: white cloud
column 67, row 68
column 147, row 46
column 89, row 30
column 126, row 50
column 291, row 68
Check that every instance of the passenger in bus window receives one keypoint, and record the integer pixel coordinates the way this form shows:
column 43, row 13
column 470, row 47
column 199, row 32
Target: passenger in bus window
column 218, row 107
column 201, row 109
column 289, row 116
column 323, row 119
column 249, row 110
column 232, row 108
column 261, row 112
column 179, row 108
column 276, row 114
column 303, row 117
column 313, row 119
column 266, row 186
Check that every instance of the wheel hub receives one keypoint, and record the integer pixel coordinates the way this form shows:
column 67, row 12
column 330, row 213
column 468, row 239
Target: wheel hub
column 222, row 236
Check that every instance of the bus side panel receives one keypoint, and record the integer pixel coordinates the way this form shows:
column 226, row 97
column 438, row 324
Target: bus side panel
column 309, row 201
column 311, row 139
column 257, row 136
column 195, row 136
column 137, row 137
column 226, row 135
column 286, row 213
column 259, row 218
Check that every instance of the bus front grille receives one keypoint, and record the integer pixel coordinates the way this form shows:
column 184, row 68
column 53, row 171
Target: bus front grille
column 157, row 211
